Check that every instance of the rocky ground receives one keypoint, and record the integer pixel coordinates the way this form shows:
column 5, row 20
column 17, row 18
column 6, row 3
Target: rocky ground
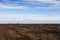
column 29, row 31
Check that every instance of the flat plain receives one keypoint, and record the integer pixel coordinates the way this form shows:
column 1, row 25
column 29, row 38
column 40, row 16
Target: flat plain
column 29, row 31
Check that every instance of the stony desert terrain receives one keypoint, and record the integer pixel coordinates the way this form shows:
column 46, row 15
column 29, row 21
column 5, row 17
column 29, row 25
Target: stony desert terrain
column 29, row 31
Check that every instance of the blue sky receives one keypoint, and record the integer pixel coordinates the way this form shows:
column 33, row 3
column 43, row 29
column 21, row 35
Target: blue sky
column 30, row 11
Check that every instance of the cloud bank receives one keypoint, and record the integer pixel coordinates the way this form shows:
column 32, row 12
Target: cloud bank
column 30, row 4
column 8, row 18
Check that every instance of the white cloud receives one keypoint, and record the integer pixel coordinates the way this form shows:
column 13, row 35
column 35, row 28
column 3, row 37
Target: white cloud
column 28, row 18
column 50, row 1
column 56, row 4
column 12, row 7
column 15, row 5
column 41, row 0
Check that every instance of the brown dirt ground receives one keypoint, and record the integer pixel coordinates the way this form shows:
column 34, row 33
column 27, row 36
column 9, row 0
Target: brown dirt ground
column 29, row 31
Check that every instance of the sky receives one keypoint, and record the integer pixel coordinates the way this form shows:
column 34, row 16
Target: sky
column 30, row 11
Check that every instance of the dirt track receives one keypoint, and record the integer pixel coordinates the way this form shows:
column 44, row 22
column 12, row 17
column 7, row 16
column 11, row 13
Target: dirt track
column 29, row 32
